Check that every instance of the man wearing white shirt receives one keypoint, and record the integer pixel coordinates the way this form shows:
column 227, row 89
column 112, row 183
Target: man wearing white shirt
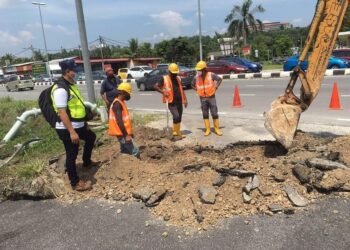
column 72, row 127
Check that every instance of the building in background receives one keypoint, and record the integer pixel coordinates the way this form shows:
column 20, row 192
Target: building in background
column 274, row 26
column 345, row 37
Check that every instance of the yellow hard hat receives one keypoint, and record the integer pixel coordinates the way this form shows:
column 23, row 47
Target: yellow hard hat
column 125, row 87
column 201, row 65
column 174, row 68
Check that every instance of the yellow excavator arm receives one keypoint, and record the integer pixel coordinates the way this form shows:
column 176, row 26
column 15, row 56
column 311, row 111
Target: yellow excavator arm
column 283, row 117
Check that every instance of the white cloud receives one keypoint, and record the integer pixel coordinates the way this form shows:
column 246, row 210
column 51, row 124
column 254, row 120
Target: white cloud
column 10, row 39
column 10, row 3
column 25, row 35
column 55, row 28
column 172, row 21
column 297, row 20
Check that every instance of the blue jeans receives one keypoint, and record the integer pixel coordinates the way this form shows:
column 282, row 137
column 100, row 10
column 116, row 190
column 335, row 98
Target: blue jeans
column 128, row 148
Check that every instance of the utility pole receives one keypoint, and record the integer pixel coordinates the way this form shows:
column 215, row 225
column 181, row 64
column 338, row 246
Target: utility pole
column 200, row 30
column 101, row 49
column 43, row 30
column 85, row 51
column 33, row 52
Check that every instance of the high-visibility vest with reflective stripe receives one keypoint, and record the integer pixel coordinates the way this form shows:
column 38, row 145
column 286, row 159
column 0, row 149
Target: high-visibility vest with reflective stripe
column 206, row 88
column 168, row 88
column 114, row 129
column 76, row 109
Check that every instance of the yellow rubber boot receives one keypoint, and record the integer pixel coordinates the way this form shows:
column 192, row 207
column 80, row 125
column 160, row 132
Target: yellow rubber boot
column 217, row 128
column 179, row 131
column 207, row 127
column 175, row 129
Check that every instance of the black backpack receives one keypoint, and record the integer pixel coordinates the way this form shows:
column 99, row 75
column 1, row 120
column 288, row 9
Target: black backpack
column 46, row 105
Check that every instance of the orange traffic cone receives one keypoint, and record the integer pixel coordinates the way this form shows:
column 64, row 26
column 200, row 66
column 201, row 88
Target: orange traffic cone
column 236, row 99
column 335, row 101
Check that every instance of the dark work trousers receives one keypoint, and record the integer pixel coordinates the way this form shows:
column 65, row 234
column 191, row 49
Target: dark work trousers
column 176, row 110
column 128, row 147
column 209, row 103
column 72, row 150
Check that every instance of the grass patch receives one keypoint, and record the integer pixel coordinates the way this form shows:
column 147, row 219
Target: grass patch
column 34, row 158
column 139, row 119
column 271, row 66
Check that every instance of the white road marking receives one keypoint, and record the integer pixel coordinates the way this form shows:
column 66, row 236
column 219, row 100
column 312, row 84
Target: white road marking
column 149, row 110
column 255, row 85
column 247, row 94
column 222, row 113
column 345, row 95
column 261, row 115
column 146, row 94
column 343, row 120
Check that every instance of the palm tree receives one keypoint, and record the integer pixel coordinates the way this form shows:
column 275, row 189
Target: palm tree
column 241, row 19
column 133, row 46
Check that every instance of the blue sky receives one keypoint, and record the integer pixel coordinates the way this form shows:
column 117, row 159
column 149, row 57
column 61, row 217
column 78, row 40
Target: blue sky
column 147, row 20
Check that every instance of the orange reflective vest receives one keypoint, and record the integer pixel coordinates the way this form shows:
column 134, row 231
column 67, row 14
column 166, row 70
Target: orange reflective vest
column 206, row 88
column 168, row 88
column 114, row 129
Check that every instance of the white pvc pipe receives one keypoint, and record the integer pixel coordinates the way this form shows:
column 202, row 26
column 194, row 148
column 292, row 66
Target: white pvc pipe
column 20, row 121
column 35, row 112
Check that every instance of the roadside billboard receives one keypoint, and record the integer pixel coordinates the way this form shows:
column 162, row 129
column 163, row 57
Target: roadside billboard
column 39, row 69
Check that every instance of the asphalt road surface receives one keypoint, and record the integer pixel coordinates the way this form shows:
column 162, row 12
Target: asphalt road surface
column 96, row 225
column 256, row 96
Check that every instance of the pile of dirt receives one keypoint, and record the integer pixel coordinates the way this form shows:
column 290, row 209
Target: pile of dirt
column 197, row 186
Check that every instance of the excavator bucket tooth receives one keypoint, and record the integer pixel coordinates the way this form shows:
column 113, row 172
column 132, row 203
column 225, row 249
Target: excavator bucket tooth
column 282, row 121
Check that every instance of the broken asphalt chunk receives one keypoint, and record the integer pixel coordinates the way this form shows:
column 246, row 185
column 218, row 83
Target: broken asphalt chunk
column 196, row 166
column 207, row 195
column 235, row 172
column 252, row 184
column 142, row 194
column 324, row 165
column 156, row 198
column 219, row 181
column 297, row 199
column 302, row 173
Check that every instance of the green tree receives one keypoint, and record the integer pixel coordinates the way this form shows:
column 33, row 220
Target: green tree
column 282, row 46
column 241, row 19
column 346, row 22
column 145, row 50
column 133, row 46
column 178, row 50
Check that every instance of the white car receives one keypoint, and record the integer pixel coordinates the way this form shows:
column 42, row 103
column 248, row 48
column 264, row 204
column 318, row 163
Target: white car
column 139, row 71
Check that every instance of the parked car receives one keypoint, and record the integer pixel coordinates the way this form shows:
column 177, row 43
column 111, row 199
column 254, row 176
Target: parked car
column 147, row 82
column 342, row 53
column 187, row 76
column 2, row 79
column 333, row 63
column 226, row 67
column 162, row 65
column 139, row 71
column 19, row 82
column 123, row 73
column 252, row 66
column 98, row 75
column 41, row 78
column 80, row 76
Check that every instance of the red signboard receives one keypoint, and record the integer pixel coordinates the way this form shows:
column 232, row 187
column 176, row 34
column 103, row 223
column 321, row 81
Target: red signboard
column 246, row 50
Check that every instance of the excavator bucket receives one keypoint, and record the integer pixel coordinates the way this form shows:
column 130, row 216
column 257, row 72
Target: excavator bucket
column 282, row 121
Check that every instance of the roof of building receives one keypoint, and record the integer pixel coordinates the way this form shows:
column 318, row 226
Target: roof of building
column 346, row 33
